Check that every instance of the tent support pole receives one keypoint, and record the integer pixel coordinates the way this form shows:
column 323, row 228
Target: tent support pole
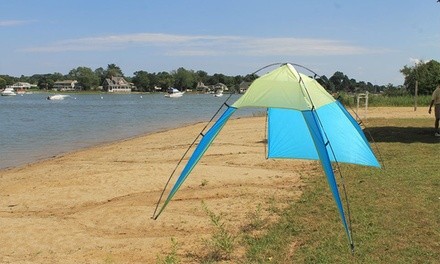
column 266, row 131
column 184, row 155
column 318, row 122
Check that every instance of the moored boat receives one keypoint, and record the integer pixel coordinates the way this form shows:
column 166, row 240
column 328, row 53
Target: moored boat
column 173, row 93
column 57, row 97
column 218, row 94
column 8, row 91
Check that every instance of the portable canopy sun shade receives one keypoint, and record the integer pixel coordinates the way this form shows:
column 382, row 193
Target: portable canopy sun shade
column 304, row 122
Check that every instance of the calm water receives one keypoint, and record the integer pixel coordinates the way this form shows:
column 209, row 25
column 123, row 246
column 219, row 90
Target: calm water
column 33, row 128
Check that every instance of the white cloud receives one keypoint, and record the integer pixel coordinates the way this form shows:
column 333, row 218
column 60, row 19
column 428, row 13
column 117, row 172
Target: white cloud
column 415, row 61
column 207, row 45
column 11, row 23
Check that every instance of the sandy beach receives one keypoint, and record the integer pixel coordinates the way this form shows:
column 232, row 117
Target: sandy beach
column 95, row 205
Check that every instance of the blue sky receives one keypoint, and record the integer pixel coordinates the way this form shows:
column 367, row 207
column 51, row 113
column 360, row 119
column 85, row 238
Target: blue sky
column 366, row 40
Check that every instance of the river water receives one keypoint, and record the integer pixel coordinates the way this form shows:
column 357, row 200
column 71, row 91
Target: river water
column 33, row 128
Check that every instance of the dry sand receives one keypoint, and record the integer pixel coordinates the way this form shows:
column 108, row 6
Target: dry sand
column 95, row 205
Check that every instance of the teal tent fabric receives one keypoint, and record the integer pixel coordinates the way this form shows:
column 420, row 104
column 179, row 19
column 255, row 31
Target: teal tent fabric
column 320, row 143
column 288, row 136
column 198, row 153
column 304, row 122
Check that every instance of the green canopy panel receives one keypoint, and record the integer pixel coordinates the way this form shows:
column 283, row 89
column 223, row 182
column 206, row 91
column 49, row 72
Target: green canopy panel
column 284, row 87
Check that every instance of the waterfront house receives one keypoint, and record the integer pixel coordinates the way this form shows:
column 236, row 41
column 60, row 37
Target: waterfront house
column 66, row 85
column 201, row 87
column 116, row 85
column 219, row 88
column 216, row 88
column 21, row 86
column 243, row 87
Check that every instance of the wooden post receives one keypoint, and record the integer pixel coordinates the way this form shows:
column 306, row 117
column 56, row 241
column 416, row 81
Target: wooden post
column 415, row 95
column 357, row 103
column 358, row 99
column 366, row 104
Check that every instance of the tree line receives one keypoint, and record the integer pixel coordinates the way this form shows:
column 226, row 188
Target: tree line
column 426, row 74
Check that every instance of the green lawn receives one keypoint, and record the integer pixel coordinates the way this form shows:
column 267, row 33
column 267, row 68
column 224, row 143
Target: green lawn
column 383, row 100
column 395, row 211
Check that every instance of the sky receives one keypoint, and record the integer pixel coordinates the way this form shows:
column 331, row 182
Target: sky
column 366, row 40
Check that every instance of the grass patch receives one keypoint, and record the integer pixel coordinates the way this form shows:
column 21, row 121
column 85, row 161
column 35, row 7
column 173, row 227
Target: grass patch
column 172, row 257
column 377, row 100
column 222, row 243
column 395, row 211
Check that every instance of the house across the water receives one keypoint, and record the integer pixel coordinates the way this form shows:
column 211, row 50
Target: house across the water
column 66, row 85
column 116, row 85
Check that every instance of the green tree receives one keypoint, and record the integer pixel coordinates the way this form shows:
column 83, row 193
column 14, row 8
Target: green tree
column 154, row 81
column 250, row 77
column 164, row 80
column 45, row 81
column 113, row 71
column 427, row 74
column 8, row 79
column 2, row 83
column 341, row 82
column 184, row 79
column 35, row 78
column 100, row 73
column 56, row 76
column 85, row 76
column 202, row 76
column 142, row 81
column 325, row 82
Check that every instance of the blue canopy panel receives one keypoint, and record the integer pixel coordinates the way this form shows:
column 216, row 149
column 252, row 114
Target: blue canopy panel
column 297, row 134
column 358, row 128
column 198, row 153
column 320, row 143
column 345, row 135
column 289, row 136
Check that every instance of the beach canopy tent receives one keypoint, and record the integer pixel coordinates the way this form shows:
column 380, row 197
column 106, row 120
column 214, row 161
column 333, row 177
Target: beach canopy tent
column 304, row 122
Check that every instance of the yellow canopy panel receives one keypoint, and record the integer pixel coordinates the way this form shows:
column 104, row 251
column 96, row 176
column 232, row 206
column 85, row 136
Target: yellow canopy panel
column 285, row 87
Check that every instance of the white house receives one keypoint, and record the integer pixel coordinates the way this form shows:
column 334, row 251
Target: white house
column 219, row 87
column 21, row 85
column 116, row 85
column 201, row 87
column 67, row 85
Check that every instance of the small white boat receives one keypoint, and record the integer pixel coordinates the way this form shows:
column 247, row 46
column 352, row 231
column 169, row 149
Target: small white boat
column 173, row 93
column 219, row 94
column 8, row 91
column 57, row 97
